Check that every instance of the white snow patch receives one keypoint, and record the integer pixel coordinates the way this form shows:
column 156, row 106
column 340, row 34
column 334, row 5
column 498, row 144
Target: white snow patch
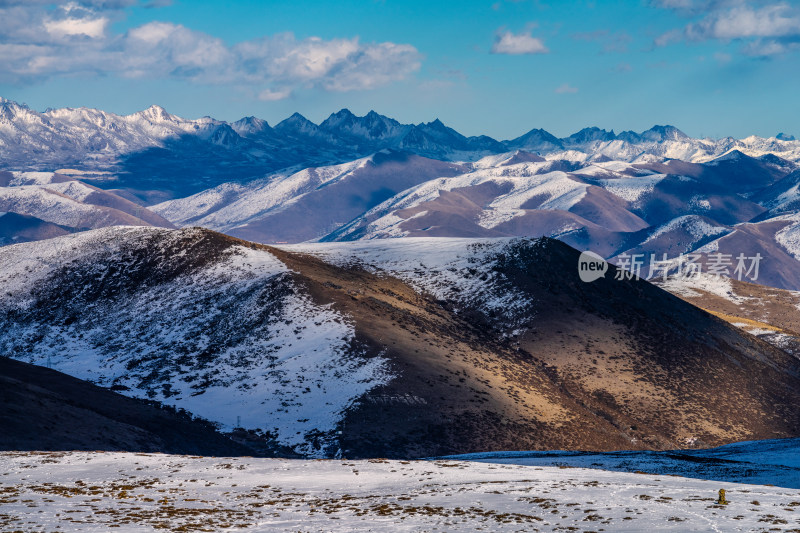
column 693, row 225
column 689, row 285
column 631, row 189
column 558, row 190
column 447, row 268
column 699, row 202
column 789, row 237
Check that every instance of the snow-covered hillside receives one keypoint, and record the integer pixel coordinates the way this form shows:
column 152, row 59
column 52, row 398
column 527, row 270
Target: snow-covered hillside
column 63, row 200
column 327, row 193
column 94, row 492
column 459, row 270
column 221, row 332
column 390, row 348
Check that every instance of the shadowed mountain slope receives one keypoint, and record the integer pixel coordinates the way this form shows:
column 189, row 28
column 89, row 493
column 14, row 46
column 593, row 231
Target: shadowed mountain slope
column 16, row 228
column 47, row 410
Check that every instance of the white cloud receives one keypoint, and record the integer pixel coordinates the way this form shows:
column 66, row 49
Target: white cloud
column 742, row 22
column 94, row 28
column 768, row 48
column 268, row 95
column 153, row 32
column 765, row 29
column 506, row 42
column 38, row 43
column 566, row 88
column 669, row 37
column 674, row 4
column 162, row 49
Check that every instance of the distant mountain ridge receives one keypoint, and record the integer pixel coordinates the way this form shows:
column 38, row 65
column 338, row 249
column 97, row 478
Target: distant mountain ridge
column 148, row 149
column 733, row 204
column 366, row 177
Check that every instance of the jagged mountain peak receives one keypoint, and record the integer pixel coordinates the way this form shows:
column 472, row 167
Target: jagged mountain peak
column 629, row 136
column 733, row 155
column 297, row 122
column 340, row 116
column 536, row 139
column 296, row 117
column 250, row 125
column 664, row 133
column 10, row 109
column 440, row 131
column 436, row 124
column 592, row 133
column 11, row 104
column 370, row 128
column 155, row 112
column 374, row 118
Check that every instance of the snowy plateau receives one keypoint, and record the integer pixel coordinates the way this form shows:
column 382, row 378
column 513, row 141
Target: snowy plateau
column 139, row 492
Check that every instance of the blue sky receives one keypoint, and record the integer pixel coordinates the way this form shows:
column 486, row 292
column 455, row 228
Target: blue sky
column 710, row 67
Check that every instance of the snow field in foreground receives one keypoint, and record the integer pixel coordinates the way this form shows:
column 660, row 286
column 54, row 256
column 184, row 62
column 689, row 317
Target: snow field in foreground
column 91, row 491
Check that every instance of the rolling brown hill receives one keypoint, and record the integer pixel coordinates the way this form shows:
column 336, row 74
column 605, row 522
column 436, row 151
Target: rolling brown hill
column 395, row 348
column 601, row 366
column 769, row 313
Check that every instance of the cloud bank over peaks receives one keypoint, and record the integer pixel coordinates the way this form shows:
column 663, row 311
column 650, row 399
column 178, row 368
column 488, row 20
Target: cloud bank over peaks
column 38, row 41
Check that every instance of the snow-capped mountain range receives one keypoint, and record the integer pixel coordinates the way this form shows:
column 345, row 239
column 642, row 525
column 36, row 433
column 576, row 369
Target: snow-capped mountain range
column 151, row 148
column 356, row 178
